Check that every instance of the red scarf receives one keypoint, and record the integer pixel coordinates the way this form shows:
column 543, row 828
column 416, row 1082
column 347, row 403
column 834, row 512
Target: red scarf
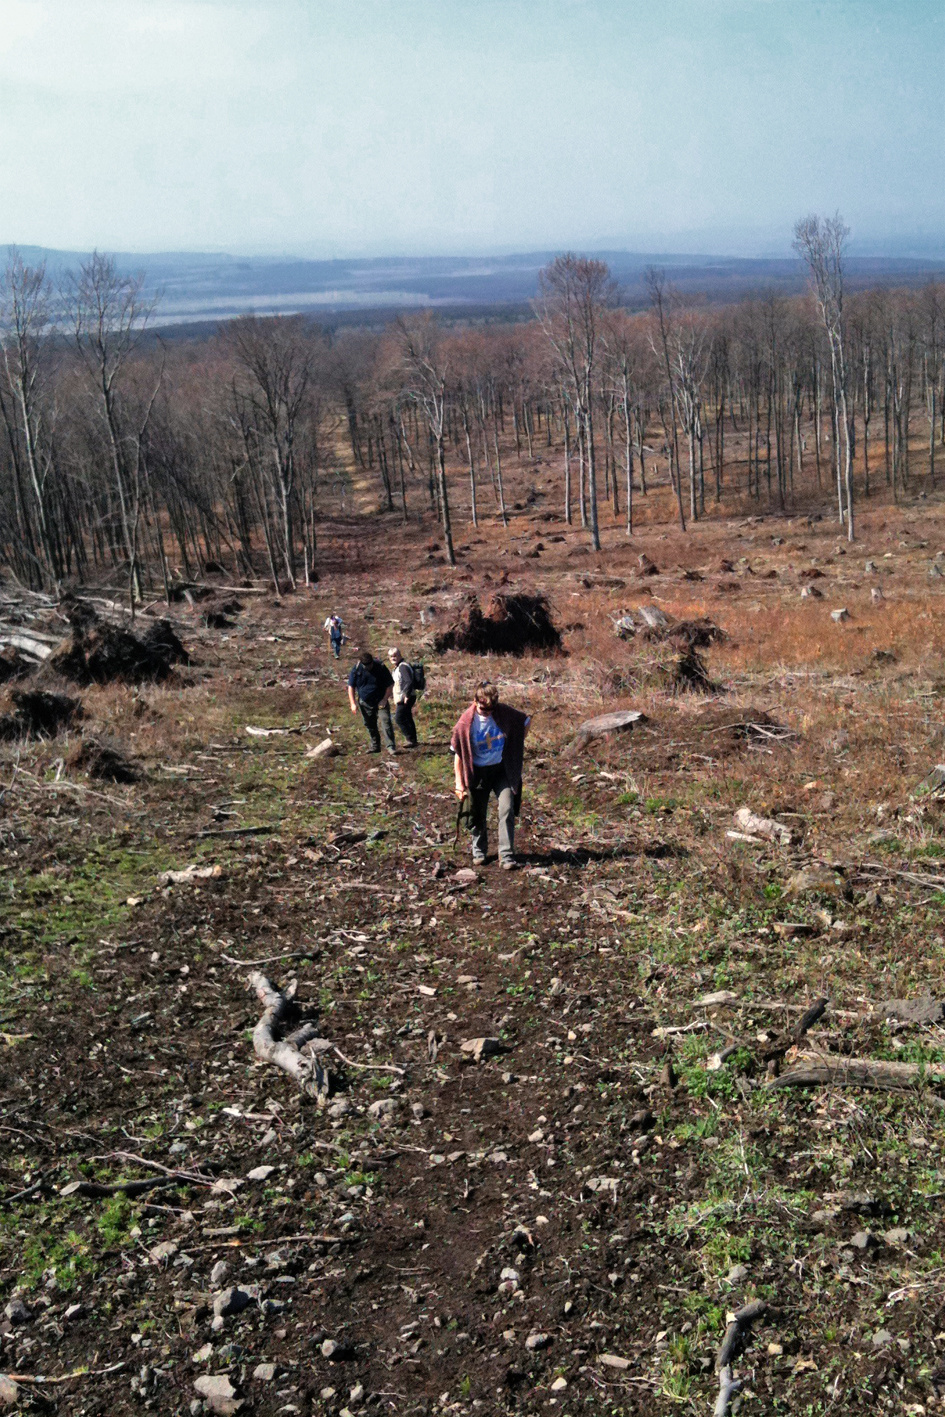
column 510, row 722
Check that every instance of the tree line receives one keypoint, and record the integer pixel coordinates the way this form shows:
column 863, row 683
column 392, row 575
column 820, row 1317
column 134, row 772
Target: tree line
column 126, row 456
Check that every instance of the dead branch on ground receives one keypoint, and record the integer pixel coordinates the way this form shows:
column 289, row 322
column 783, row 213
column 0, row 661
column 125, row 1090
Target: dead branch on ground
column 275, row 1041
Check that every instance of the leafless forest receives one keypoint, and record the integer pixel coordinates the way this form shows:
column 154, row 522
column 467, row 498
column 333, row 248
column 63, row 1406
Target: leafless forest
column 123, row 456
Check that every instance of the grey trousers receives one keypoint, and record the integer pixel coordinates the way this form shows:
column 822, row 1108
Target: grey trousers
column 493, row 781
column 371, row 713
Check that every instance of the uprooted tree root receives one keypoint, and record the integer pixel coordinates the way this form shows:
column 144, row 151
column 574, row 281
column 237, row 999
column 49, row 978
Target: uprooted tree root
column 650, row 625
column 686, row 634
column 510, row 624
column 14, row 665
column 103, row 761
column 38, row 714
column 100, row 653
column 690, row 674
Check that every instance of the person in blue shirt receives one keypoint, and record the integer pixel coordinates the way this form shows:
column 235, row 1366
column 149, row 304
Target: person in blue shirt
column 370, row 686
column 488, row 744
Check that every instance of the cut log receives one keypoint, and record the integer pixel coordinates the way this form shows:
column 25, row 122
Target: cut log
column 602, row 725
column 327, row 748
column 813, row 1069
column 272, row 1037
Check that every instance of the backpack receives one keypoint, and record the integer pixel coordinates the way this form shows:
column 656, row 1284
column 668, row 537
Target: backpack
column 419, row 678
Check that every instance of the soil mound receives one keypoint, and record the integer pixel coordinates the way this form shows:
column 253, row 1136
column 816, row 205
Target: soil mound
column 38, row 714
column 511, row 624
column 99, row 653
column 104, row 761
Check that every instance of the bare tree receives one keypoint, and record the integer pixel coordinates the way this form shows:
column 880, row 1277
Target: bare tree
column 26, row 355
column 279, row 362
column 573, row 293
column 662, row 302
column 109, row 316
column 821, row 245
column 425, row 365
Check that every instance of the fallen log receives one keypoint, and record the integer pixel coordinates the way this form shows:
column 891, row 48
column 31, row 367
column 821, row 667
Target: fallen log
column 816, row 1069
column 29, row 644
column 273, row 1038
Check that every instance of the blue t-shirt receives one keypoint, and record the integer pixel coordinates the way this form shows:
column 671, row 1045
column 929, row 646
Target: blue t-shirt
column 488, row 741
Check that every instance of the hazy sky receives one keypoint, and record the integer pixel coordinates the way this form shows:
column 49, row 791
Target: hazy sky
column 367, row 127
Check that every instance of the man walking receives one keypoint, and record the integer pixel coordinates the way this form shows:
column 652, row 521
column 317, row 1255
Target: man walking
column 336, row 634
column 369, row 689
column 404, row 697
column 488, row 744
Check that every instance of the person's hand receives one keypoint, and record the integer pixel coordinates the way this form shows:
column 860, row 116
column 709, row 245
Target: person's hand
column 460, row 791
column 354, row 708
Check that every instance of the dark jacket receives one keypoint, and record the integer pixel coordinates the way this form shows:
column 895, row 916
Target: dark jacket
column 370, row 682
column 513, row 724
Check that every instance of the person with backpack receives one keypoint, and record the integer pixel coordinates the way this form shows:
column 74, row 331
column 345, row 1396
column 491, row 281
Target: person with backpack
column 405, row 696
column 336, row 634
column 488, row 745
column 369, row 689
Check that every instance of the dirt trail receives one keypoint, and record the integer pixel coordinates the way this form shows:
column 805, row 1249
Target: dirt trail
column 485, row 1237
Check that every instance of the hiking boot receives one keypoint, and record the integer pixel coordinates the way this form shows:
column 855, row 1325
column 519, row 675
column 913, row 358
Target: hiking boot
column 509, row 865
column 372, row 750
column 479, row 860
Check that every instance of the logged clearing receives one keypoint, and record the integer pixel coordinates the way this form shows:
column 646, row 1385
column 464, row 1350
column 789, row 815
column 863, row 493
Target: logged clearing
column 687, row 1062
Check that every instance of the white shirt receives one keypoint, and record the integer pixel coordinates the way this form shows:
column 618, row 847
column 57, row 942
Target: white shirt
column 403, row 682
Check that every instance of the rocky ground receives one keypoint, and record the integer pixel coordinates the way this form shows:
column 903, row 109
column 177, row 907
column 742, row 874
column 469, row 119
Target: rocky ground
column 562, row 1218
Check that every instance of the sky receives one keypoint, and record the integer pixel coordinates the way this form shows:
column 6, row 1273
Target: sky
column 332, row 128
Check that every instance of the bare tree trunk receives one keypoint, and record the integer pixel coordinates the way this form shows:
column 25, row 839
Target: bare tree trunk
column 444, row 500
column 472, row 467
column 592, row 475
column 567, row 467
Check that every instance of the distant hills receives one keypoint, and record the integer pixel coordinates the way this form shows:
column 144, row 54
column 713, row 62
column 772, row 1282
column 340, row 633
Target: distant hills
column 197, row 288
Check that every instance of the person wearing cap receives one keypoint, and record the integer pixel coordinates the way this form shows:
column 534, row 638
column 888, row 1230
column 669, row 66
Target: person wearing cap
column 404, row 696
column 488, row 744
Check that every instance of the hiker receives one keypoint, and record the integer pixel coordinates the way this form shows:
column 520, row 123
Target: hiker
column 369, row 689
column 336, row 634
column 404, row 696
column 488, row 744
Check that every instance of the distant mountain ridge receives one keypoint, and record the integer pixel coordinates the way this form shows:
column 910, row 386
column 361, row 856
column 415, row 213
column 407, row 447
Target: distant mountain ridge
column 207, row 287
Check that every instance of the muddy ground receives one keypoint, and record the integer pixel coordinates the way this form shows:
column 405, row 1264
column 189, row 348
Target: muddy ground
column 562, row 1227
